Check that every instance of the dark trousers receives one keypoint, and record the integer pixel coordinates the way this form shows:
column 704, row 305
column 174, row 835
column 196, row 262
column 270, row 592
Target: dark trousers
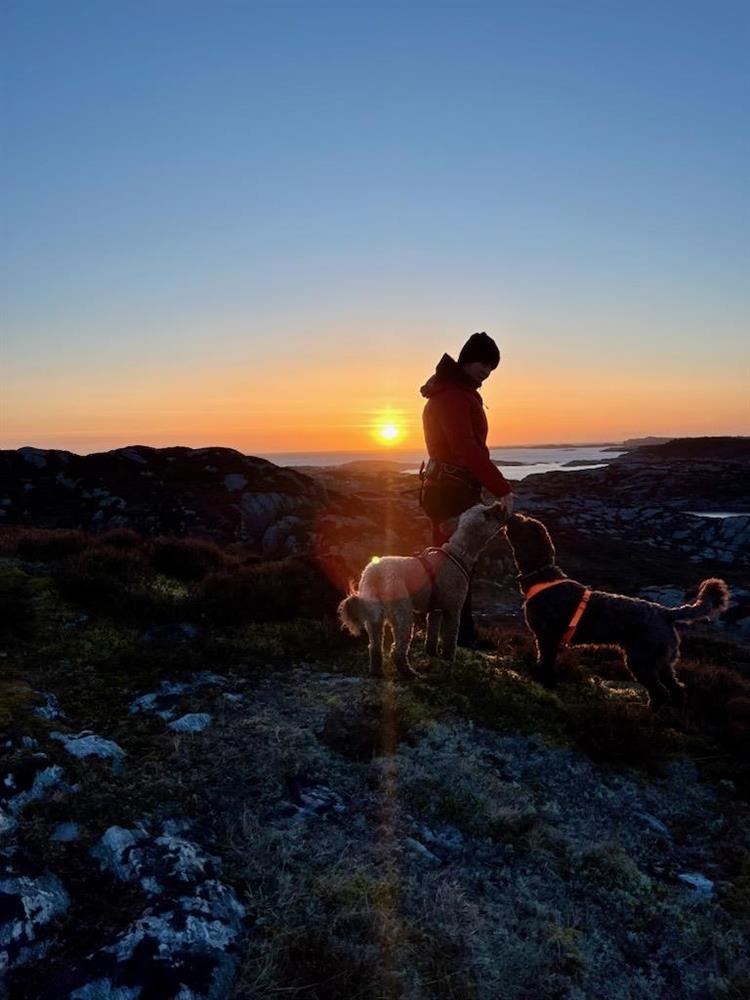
column 466, row 629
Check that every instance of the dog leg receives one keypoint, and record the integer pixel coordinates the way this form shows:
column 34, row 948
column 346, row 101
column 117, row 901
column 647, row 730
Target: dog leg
column 375, row 636
column 401, row 623
column 645, row 671
column 433, row 632
column 449, row 634
column 546, row 658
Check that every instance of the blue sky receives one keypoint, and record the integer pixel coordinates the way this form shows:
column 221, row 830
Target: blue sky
column 219, row 186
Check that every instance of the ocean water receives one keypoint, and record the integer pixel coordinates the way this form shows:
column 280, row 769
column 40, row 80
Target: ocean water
column 532, row 460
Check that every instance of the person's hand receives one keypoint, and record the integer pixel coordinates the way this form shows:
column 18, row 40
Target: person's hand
column 507, row 502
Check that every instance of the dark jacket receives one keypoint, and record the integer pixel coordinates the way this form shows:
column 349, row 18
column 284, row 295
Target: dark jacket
column 455, row 427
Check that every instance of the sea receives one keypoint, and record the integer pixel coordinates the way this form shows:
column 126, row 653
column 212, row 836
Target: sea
column 515, row 463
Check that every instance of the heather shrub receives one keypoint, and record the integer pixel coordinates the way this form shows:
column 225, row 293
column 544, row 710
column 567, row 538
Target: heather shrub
column 186, row 558
column 120, row 538
column 43, row 545
column 9, row 536
column 267, row 591
column 116, row 582
column 619, row 733
column 718, row 700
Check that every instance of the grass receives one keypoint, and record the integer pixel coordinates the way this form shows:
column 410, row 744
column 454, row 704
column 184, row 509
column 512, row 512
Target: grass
column 340, row 906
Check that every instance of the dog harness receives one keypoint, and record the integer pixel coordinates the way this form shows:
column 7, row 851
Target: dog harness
column 570, row 631
column 432, row 574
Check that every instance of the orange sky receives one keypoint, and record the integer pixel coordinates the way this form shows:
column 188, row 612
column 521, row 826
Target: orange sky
column 267, row 407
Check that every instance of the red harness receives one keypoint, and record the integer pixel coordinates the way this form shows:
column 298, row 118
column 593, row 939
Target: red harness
column 570, row 631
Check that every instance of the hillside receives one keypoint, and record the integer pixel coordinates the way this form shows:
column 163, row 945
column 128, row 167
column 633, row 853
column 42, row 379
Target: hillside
column 205, row 795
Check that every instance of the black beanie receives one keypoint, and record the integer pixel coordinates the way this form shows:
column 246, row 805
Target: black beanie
column 480, row 347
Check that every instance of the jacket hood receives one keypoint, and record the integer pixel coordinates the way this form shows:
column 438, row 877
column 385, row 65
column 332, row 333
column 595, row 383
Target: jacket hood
column 448, row 375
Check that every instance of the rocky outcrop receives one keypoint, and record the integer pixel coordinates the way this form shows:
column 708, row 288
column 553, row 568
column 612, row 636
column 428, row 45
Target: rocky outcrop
column 185, row 936
column 211, row 492
column 654, row 499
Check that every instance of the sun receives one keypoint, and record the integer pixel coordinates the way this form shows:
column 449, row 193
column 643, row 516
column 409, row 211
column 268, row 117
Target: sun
column 388, row 427
column 388, row 433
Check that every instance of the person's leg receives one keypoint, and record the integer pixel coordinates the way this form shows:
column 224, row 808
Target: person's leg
column 467, row 633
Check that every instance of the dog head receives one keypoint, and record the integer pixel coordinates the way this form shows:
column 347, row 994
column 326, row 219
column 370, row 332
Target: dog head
column 478, row 524
column 531, row 543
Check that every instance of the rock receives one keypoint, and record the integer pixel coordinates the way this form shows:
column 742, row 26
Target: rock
column 173, row 491
column 50, row 709
column 27, row 781
column 184, row 940
column 167, row 635
column 164, row 701
column 194, row 722
column 235, row 481
column 28, row 906
column 64, row 833
column 701, row 886
column 88, row 744
column 420, row 850
column 307, row 799
column 656, row 824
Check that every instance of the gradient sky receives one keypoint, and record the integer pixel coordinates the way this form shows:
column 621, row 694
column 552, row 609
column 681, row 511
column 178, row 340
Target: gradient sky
column 260, row 225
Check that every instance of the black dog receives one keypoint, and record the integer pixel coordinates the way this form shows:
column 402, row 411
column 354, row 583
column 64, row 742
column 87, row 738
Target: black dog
column 560, row 610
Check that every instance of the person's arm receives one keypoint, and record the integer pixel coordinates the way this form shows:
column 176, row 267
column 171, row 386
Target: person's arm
column 458, row 429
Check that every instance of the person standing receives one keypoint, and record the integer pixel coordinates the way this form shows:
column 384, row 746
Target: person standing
column 459, row 466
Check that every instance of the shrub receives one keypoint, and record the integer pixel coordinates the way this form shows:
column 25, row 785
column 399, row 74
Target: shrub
column 268, row 591
column 718, row 700
column 186, row 558
column 120, row 538
column 619, row 733
column 116, row 582
column 50, row 545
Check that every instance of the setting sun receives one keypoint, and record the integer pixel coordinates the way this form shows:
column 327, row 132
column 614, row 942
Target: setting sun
column 388, row 432
column 388, row 426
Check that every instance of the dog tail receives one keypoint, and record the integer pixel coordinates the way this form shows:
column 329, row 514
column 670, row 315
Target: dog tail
column 352, row 612
column 712, row 599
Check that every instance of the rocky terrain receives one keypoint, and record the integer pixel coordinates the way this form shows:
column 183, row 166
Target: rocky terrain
column 203, row 795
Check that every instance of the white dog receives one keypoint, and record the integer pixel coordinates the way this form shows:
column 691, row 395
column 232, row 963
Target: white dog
column 392, row 588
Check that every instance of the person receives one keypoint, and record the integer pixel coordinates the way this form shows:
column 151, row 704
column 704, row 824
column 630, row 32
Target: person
column 459, row 466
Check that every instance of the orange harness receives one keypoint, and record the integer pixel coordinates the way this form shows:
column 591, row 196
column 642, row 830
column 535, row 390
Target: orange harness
column 570, row 631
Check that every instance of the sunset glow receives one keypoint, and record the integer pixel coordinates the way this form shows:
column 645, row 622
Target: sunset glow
column 274, row 254
column 388, row 433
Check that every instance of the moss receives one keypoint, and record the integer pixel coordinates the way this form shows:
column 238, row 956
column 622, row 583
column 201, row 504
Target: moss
column 372, row 723
column 478, row 689
column 609, row 866
column 305, row 639
column 565, row 942
column 342, row 887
